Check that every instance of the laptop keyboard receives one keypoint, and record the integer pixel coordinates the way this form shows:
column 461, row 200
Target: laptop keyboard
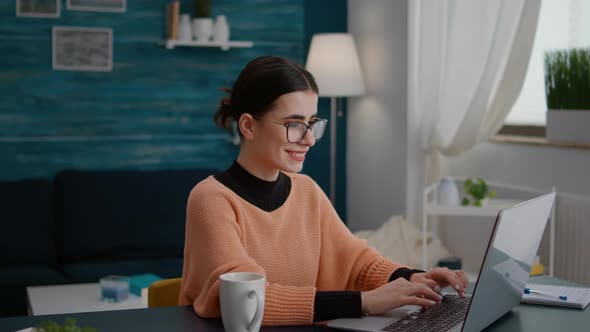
column 450, row 312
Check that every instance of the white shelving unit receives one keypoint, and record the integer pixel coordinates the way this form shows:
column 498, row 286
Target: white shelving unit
column 172, row 43
column 431, row 208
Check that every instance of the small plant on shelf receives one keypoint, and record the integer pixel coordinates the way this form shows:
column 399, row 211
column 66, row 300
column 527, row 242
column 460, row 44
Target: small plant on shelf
column 478, row 191
column 69, row 326
column 201, row 9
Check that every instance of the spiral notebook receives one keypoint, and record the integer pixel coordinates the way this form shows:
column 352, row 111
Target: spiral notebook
column 577, row 297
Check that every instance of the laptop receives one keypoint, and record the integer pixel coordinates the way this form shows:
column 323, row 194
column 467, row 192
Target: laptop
column 504, row 272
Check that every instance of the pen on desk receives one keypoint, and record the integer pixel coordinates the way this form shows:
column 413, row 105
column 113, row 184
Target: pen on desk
column 532, row 291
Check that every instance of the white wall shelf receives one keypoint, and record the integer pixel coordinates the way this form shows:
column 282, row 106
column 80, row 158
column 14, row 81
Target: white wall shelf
column 171, row 44
column 491, row 210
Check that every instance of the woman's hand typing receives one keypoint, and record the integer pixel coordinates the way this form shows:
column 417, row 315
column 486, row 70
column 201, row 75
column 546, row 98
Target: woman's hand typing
column 398, row 293
column 442, row 277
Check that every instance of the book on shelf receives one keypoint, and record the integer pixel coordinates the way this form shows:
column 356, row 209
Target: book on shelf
column 172, row 17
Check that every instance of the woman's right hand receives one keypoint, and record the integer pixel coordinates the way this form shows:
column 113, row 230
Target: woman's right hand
column 398, row 293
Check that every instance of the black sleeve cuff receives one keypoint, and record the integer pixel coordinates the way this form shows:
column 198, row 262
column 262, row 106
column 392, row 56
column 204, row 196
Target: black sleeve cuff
column 341, row 304
column 403, row 272
column 337, row 304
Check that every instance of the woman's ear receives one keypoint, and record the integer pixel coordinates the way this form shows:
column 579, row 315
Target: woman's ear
column 246, row 126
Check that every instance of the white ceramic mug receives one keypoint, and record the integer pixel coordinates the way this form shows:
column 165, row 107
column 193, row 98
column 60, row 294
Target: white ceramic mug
column 241, row 296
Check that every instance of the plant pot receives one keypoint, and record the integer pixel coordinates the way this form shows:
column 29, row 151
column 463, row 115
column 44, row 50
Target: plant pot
column 202, row 29
column 568, row 126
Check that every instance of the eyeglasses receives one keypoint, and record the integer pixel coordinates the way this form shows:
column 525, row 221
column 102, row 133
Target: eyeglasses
column 297, row 130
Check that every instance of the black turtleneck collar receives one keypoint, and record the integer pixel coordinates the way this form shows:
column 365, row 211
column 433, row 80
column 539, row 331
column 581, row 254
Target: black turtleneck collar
column 266, row 195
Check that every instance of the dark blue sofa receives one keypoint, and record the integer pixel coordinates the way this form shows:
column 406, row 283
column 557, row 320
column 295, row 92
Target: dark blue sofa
column 83, row 225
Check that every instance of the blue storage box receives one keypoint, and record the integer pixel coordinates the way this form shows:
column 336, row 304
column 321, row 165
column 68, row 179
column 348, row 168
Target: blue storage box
column 114, row 288
column 141, row 281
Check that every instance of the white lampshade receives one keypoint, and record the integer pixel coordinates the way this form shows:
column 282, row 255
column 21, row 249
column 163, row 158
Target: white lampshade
column 334, row 63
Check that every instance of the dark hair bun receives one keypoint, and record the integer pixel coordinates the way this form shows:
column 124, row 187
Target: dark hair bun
column 259, row 85
column 224, row 114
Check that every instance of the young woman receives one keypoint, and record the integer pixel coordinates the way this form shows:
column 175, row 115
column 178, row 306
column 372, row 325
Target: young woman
column 261, row 216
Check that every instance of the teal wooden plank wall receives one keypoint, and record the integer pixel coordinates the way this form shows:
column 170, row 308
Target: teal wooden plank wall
column 328, row 16
column 155, row 109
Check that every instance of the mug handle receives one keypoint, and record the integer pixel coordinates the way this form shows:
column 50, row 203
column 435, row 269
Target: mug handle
column 258, row 312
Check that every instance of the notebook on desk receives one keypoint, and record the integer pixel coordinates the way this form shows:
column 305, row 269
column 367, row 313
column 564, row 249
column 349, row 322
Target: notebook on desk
column 504, row 272
column 574, row 297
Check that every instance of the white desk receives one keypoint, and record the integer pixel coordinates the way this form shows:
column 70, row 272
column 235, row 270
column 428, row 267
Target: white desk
column 63, row 299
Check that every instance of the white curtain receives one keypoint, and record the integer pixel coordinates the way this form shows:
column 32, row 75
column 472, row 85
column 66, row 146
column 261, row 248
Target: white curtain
column 467, row 62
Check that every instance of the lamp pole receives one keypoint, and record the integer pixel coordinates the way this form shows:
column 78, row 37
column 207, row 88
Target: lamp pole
column 334, row 63
column 333, row 117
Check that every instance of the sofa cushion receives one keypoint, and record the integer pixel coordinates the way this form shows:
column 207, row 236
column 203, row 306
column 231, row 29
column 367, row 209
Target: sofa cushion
column 13, row 284
column 27, row 230
column 93, row 271
column 123, row 214
column 31, row 275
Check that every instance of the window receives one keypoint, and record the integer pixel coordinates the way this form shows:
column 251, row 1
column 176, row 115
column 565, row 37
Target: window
column 562, row 24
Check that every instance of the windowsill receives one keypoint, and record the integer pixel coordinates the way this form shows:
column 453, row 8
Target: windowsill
column 537, row 141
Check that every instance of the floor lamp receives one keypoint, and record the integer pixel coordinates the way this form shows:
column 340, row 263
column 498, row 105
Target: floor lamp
column 334, row 63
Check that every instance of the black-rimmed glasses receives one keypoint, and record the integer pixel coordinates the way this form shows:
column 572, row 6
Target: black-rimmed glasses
column 297, row 130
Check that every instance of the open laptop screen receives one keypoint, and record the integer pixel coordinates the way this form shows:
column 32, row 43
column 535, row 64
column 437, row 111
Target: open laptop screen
column 508, row 260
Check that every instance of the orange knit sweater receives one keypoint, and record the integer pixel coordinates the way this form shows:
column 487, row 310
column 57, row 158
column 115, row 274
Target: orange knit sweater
column 301, row 247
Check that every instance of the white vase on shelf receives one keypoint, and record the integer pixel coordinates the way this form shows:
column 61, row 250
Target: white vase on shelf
column 448, row 193
column 202, row 28
column 221, row 30
column 184, row 28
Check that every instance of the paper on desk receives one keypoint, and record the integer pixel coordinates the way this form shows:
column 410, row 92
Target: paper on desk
column 577, row 297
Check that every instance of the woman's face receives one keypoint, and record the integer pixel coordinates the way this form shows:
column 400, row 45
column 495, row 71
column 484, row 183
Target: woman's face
column 271, row 145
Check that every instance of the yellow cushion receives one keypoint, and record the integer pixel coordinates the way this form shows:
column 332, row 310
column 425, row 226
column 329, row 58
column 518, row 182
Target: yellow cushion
column 164, row 293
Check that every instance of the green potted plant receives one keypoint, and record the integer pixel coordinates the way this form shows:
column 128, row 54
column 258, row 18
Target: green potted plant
column 69, row 326
column 567, row 87
column 477, row 191
column 202, row 21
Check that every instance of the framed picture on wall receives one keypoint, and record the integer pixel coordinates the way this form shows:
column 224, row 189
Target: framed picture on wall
column 38, row 8
column 115, row 6
column 82, row 49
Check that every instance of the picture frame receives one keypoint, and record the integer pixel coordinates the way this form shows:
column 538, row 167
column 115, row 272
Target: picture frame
column 38, row 8
column 112, row 6
column 82, row 48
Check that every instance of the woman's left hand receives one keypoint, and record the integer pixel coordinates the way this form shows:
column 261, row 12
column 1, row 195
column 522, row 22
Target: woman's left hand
column 442, row 277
